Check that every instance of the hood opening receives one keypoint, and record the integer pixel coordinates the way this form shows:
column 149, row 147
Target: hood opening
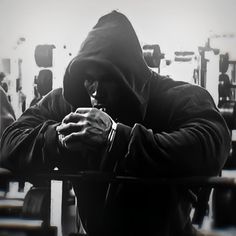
column 113, row 45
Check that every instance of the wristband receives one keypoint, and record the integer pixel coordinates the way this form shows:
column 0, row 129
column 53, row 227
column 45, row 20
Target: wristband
column 111, row 135
column 61, row 142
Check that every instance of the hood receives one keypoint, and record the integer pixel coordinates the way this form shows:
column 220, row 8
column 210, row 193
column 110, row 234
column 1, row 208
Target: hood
column 112, row 44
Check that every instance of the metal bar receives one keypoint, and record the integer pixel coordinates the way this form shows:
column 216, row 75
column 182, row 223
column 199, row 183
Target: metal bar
column 111, row 177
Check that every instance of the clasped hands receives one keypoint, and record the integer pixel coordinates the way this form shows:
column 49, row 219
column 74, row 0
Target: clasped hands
column 86, row 127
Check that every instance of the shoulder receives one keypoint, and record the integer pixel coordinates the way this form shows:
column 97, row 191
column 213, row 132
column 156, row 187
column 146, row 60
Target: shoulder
column 179, row 90
column 176, row 97
column 53, row 96
column 55, row 92
column 54, row 103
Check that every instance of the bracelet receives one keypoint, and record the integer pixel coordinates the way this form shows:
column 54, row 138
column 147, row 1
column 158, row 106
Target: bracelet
column 111, row 135
column 62, row 144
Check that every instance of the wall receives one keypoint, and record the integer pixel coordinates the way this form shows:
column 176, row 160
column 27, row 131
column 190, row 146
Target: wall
column 174, row 25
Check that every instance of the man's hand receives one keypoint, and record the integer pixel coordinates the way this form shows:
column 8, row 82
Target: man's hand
column 88, row 127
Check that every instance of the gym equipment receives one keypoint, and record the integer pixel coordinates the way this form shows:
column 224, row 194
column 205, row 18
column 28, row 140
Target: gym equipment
column 203, row 71
column 152, row 55
column 95, row 176
column 225, row 62
column 228, row 111
column 27, row 215
column 224, row 199
column 184, row 53
column 224, row 87
column 226, row 90
column 183, row 59
column 224, row 207
column 43, row 55
column 44, row 81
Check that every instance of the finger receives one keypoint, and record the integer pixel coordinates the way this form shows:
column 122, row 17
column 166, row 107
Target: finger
column 83, row 110
column 90, row 113
column 95, row 116
column 68, row 128
column 72, row 117
column 86, row 137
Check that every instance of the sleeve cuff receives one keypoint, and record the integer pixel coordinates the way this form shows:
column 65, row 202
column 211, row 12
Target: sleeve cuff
column 51, row 147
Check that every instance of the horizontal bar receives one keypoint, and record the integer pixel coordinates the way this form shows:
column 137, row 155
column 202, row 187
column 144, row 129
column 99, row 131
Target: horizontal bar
column 97, row 176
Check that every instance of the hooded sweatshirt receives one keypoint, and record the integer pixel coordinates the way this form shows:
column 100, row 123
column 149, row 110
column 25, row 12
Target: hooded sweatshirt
column 172, row 129
column 113, row 45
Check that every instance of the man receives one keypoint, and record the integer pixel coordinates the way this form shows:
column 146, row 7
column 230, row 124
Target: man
column 2, row 76
column 116, row 115
column 7, row 114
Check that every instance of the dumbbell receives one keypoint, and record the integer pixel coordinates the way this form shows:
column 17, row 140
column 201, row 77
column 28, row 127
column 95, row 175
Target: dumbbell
column 152, row 55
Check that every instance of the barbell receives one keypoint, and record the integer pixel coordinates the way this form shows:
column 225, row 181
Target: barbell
column 152, row 55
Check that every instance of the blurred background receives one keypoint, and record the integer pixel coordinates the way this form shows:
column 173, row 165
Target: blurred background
column 176, row 26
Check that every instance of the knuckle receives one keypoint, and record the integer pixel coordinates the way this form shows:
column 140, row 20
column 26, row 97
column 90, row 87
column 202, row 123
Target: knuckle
column 70, row 125
column 87, row 123
column 70, row 114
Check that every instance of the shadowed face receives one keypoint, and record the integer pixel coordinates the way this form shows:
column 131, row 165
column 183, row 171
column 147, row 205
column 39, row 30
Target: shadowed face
column 103, row 90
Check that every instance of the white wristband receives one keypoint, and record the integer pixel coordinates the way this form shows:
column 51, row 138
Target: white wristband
column 61, row 141
column 111, row 135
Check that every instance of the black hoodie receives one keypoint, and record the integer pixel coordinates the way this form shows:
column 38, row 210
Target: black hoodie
column 173, row 129
column 113, row 45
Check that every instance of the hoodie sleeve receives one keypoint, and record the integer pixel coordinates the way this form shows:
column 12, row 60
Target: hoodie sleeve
column 196, row 141
column 31, row 142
